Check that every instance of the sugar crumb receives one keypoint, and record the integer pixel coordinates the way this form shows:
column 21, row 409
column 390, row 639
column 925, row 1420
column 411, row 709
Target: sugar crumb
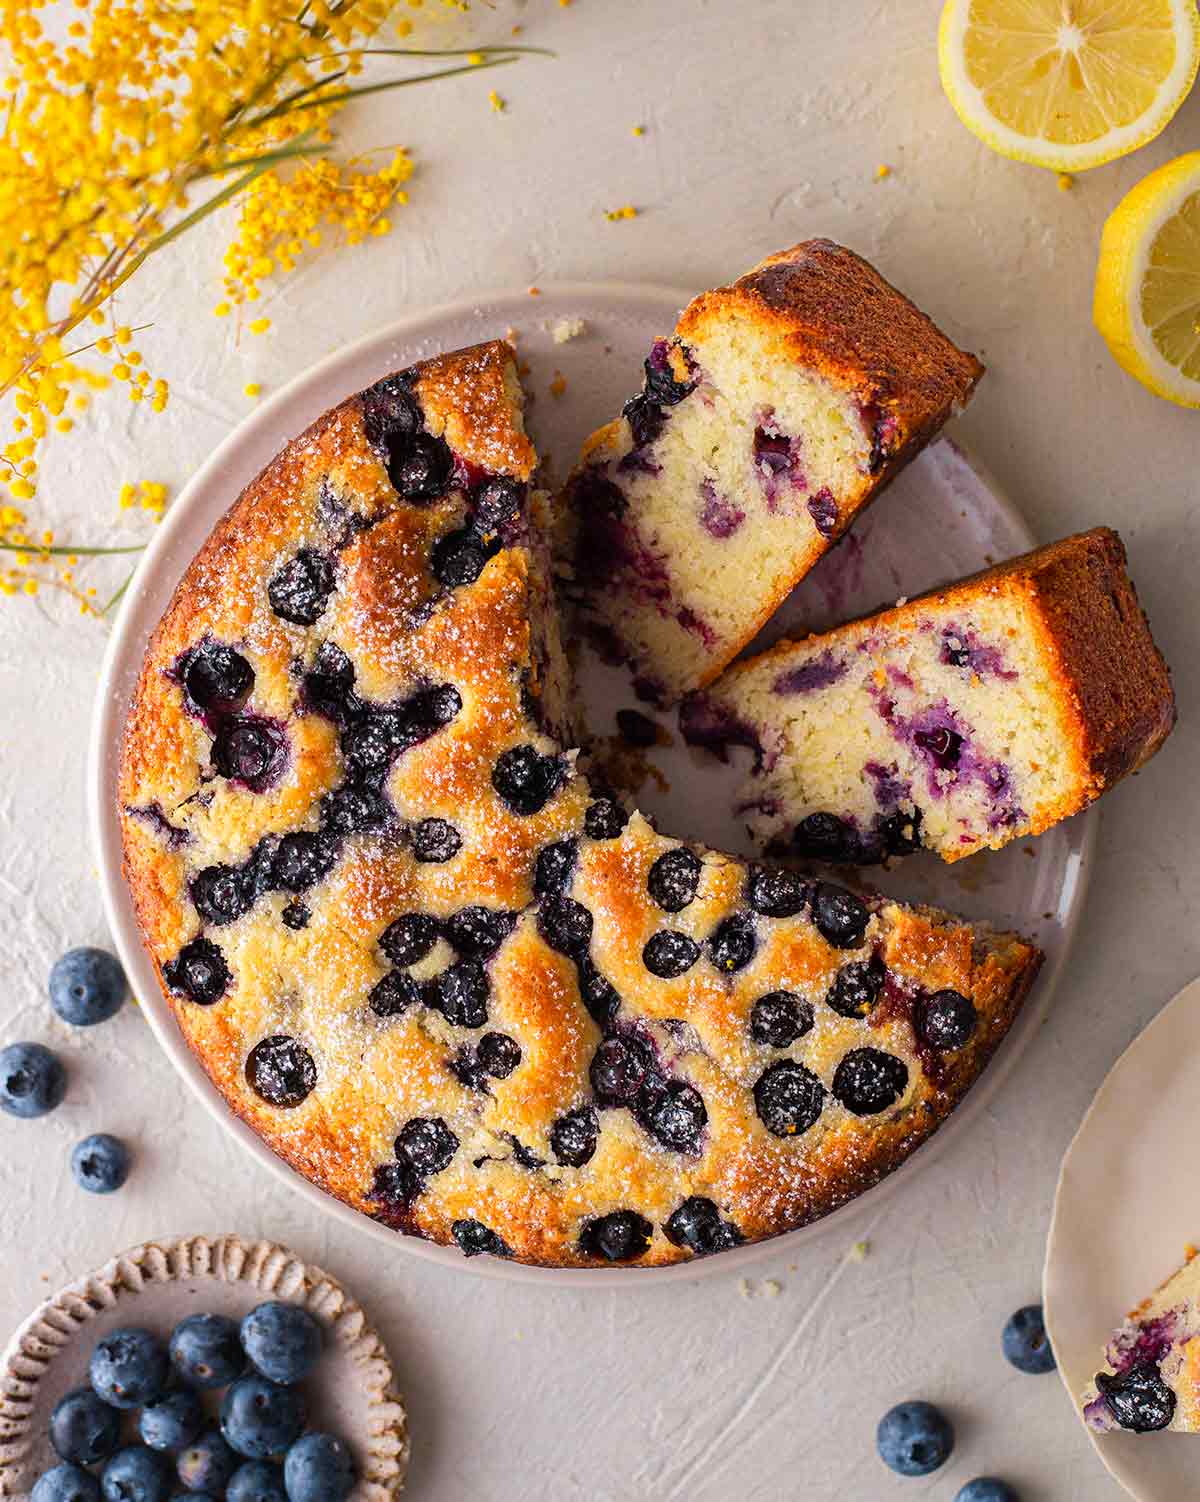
column 569, row 328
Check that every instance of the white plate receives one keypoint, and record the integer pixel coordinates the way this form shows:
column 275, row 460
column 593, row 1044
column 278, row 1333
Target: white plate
column 350, row 1393
column 1128, row 1203
column 939, row 520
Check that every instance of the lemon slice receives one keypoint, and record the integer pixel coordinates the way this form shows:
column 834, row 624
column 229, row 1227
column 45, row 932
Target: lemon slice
column 1147, row 302
column 1067, row 84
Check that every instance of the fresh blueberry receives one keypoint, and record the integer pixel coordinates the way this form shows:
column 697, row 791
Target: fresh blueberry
column 172, row 1422
column 732, row 943
column 914, row 1438
column 565, row 925
column 427, row 1144
column 84, row 1428
column 946, row 1020
column 668, row 954
column 496, row 503
column 257, row 1481
column 605, row 819
column 789, row 1098
column 598, row 993
column 868, row 1081
column 461, row 994
column 206, row 1350
column 409, row 939
column 434, row 841
column 856, row 987
column 618, row 1070
column 66, row 1483
column 573, row 1137
column 498, row 1055
column 300, row 590
column 1138, row 1399
column 477, row 932
column 216, row 677
column 302, row 860
column 137, row 1474
column 129, row 1367
column 674, row 878
column 474, row 1239
column 199, row 972
column 553, row 868
column 1025, row 1342
column 527, row 780
column 100, row 1163
column 282, row 1340
column 459, row 558
column 32, row 1080
column 420, row 468
column 259, row 1418
column 319, row 1468
column 676, row 1116
column 394, row 994
column 220, row 894
column 281, row 1071
column 249, row 751
column 87, row 986
column 840, row 917
column 697, row 1225
column 208, row 1464
column 775, row 892
column 779, row 1018
column 986, row 1489
column 825, row 837
column 619, row 1237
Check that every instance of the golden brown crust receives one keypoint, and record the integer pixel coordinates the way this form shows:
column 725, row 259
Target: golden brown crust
column 313, row 978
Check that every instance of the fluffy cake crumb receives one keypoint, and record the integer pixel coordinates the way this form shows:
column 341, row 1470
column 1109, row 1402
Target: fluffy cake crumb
column 569, row 328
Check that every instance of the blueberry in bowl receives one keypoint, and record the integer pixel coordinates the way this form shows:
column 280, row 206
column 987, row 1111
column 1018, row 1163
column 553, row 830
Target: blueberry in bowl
column 257, row 1481
column 260, row 1418
column 172, row 1422
column 129, row 1368
column 137, row 1474
column 208, row 1464
column 87, row 986
column 84, row 1428
column 282, row 1341
column 319, row 1468
column 66, row 1483
column 206, row 1350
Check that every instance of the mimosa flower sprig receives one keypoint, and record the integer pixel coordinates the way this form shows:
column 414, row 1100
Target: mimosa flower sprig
column 138, row 121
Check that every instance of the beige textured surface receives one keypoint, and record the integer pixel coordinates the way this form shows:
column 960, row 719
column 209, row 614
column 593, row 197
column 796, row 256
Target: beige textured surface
column 765, row 122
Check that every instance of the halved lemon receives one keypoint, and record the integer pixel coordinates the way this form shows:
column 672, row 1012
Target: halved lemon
column 1147, row 302
column 1067, row 84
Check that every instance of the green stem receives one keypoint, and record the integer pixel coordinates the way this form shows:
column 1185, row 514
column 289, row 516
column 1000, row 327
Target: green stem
column 61, row 551
column 399, row 83
column 264, row 159
column 120, row 592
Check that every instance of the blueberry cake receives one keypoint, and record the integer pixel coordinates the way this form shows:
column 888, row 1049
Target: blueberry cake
column 440, row 972
column 963, row 719
column 773, row 415
column 1151, row 1379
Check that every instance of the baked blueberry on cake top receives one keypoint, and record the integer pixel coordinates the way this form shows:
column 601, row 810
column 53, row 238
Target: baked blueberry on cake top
column 1151, row 1379
column 963, row 719
column 440, row 972
column 774, row 414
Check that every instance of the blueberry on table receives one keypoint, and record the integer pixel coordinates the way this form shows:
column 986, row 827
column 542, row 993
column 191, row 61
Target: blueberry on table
column 100, row 1164
column 319, row 1468
column 172, row 1422
column 987, row 1489
column 137, row 1474
column 129, row 1368
column 207, row 1465
column 66, row 1483
column 1026, row 1343
column 260, row 1418
column 83, row 1428
column 206, row 1350
column 32, row 1080
column 914, row 1438
column 257, row 1481
column 282, row 1340
column 87, row 986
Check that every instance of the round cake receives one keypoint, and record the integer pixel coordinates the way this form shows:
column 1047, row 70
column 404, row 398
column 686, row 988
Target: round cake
column 443, row 973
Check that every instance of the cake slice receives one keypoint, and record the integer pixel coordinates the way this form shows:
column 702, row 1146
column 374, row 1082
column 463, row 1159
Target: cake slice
column 1151, row 1379
column 968, row 717
column 778, row 409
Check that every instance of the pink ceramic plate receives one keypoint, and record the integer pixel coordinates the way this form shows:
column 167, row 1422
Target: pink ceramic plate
column 941, row 519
